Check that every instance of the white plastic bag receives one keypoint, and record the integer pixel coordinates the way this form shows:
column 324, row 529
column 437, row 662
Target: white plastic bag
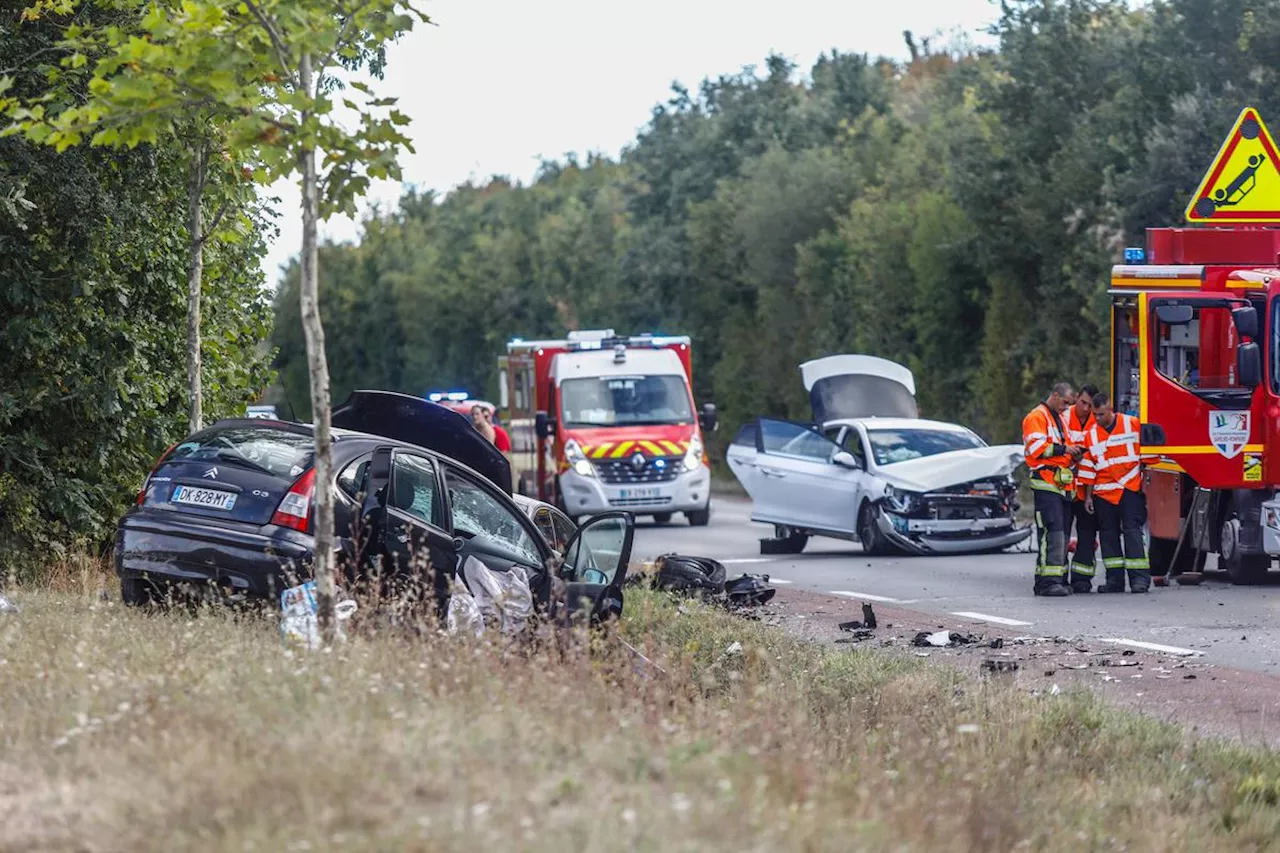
column 502, row 599
column 298, row 620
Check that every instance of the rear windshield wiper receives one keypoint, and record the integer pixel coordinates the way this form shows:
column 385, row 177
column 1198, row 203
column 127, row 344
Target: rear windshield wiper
column 236, row 458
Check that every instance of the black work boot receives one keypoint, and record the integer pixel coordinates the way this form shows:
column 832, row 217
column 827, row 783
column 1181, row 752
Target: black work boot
column 1139, row 580
column 1082, row 584
column 1115, row 581
column 1051, row 587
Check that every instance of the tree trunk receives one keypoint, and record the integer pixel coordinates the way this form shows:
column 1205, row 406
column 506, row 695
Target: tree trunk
column 318, row 367
column 195, row 280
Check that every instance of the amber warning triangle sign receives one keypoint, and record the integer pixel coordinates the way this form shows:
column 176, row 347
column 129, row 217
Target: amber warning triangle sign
column 1243, row 184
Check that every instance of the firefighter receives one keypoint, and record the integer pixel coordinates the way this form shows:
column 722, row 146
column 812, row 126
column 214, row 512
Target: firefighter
column 1112, row 472
column 1078, row 419
column 1050, row 459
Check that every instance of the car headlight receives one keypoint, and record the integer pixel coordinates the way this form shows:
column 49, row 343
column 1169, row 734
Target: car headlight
column 578, row 460
column 693, row 456
column 899, row 500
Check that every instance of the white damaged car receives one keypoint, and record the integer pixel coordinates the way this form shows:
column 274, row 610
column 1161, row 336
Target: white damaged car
column 869, row 469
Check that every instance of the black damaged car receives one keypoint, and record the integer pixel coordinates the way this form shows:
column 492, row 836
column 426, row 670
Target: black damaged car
column 230, row 508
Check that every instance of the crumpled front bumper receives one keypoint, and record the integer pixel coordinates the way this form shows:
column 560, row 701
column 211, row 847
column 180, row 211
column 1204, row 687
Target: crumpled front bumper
column 920, row 536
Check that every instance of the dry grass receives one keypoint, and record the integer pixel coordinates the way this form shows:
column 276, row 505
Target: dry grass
column 121, row 730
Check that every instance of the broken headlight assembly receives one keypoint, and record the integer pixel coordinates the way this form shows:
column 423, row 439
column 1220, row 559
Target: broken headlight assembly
column 899, row 500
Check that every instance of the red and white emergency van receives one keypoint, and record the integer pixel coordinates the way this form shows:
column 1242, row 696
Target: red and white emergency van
column 600, row 421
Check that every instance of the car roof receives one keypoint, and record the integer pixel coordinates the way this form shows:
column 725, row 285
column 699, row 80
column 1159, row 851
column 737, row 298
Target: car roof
column 900, row 423
column 531, row 505
column 350, row 436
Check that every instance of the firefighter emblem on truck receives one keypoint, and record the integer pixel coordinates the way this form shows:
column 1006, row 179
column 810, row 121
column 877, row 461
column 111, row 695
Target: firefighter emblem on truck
column 1229, row 432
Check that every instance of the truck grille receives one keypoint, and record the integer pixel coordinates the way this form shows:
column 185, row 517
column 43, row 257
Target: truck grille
column 657, row 470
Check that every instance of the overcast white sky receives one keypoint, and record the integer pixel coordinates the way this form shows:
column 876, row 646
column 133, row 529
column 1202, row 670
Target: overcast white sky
column 497, row 83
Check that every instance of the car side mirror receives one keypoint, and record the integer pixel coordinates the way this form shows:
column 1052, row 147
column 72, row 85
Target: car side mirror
column 1249, row 365
column 708, row 419
column 544, row 425
column 1246, row 320
column 845, row 459
column 1151, row 435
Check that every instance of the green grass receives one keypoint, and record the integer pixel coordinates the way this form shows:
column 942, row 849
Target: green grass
column 122, row 730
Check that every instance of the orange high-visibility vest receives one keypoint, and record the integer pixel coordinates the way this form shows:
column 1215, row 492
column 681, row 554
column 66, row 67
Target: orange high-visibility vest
column 1045, row 449
column 1076, row 436
column 1113, row 459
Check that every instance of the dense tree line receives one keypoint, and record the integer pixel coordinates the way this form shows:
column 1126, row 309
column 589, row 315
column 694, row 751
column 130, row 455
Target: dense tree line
column 958, row 212
column 93, row 271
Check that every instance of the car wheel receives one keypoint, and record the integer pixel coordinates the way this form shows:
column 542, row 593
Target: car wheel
column 662, row 518
column 1243, row 569
column 137, row 592
column 873, row 541
column 699, row 517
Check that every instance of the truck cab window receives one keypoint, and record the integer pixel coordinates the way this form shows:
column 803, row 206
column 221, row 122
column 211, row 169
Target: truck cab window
column 1180, row 356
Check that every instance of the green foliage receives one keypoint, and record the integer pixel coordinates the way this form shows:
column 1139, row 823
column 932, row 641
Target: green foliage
column 958, row 213
column 93, row 258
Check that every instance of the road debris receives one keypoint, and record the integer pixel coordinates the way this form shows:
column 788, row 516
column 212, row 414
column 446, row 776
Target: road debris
column 992, row 665
column 944, row 639
column 7, row 605
column 868, row 620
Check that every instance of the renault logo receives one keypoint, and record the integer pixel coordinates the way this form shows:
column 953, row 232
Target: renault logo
column 212, row 472
column 638, row 461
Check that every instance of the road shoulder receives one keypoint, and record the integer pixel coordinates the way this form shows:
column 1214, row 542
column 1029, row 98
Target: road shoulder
column 1183, row 689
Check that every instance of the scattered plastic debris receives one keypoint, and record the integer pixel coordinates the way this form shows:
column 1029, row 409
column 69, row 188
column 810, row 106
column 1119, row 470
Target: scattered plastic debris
column 868, row 620
column 7, row 605
column 943, row 639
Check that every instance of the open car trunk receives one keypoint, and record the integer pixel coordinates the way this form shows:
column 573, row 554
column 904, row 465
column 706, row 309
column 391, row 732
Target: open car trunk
column 858, row 386
column 426, row 424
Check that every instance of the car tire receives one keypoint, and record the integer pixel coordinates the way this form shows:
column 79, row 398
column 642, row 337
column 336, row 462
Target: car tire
column 137, row 592
column 1243, row 569
column 873, row 541
column 662, row 518
column 699, row 517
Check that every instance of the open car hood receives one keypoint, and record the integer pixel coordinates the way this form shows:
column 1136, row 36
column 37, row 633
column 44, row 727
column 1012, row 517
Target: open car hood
column 951, row 469
column 426, row 424
column 858, row 386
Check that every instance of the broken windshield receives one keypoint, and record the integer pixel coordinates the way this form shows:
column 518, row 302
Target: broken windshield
column 625, row 401
column 899, row 445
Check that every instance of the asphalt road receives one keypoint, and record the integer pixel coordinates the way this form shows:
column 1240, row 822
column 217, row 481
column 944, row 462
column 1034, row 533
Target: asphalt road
column 1229, row 625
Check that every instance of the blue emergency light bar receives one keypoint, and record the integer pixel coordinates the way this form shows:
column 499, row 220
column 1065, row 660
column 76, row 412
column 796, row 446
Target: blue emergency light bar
column 455, row 396
column 1135, row 255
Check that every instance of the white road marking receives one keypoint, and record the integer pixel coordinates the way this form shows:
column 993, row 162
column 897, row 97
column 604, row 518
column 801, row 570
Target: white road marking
column 1152, row 647
column 778, row 580
column 865, row 595
column 748, row 560
column 982, row 617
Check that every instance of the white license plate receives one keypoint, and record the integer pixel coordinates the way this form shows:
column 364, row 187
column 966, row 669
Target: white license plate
column 651, row 492
column 208, row 498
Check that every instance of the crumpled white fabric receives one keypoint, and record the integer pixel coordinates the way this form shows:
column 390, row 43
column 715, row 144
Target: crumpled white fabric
column 499, row 599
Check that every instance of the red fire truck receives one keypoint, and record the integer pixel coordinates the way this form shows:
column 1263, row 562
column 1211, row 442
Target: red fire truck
column 600, row 421
column 1192, row 315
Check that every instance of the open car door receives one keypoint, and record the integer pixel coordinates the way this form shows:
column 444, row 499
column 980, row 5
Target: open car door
column 858, row 386
column 801, row 478
column 595, row 567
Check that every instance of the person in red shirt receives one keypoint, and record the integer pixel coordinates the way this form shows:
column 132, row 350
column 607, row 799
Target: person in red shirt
column 482, row 420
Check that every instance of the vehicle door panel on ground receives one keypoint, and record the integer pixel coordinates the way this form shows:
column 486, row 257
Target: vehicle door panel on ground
column 798, row 482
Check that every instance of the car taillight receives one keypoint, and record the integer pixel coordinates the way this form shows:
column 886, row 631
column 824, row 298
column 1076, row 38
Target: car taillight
column 142, row 494
column 295, row 507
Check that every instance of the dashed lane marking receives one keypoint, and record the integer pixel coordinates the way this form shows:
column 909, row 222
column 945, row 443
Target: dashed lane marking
column 1152, row 647
column 867, row 596
column 778, row 580
column 983, row 617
